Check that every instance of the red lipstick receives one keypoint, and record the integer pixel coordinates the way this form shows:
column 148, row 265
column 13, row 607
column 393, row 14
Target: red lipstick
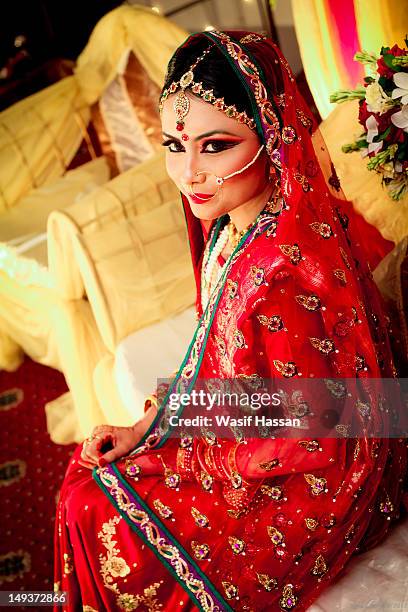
column 201, row 198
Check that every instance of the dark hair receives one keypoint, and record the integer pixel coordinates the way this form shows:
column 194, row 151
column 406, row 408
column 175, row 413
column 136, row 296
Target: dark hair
column 213, row 72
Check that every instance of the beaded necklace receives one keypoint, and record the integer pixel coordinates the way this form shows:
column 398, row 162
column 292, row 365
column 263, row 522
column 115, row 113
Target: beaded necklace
column 211, row 270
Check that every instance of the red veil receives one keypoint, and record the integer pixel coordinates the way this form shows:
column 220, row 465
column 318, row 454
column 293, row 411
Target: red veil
column 266, row 524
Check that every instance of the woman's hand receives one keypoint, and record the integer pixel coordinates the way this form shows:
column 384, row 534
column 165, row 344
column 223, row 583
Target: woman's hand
column 108, row 443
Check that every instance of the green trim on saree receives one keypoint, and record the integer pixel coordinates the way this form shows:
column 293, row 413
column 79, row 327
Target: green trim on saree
column 154, row 533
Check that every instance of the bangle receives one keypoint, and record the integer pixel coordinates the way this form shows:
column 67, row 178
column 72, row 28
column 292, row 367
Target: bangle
column 184, row 461
column 211, row 462
column 151, row 400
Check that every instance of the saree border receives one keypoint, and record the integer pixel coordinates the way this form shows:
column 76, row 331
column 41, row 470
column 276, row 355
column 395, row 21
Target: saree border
column 204, row 324
column 127, row 501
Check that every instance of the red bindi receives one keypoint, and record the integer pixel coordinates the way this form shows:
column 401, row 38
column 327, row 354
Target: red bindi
column 184, row 137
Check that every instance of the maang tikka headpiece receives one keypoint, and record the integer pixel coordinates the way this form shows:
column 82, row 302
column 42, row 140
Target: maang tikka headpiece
column 182, row 103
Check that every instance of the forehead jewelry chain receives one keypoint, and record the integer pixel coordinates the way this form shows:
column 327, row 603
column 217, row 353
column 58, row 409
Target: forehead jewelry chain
column 181, row 104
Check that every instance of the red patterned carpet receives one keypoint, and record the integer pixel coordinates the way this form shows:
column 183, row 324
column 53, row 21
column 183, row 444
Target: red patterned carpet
column 31, row 471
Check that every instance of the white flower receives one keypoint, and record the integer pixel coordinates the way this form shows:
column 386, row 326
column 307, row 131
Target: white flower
column 400, row 119
column 376, row 98
column 401, row 91
column 372, row 131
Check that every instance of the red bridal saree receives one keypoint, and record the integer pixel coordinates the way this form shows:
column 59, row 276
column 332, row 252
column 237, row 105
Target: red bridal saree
column 254, row 524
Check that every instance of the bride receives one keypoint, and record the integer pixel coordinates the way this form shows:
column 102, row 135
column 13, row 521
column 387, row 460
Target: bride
column 166, row 521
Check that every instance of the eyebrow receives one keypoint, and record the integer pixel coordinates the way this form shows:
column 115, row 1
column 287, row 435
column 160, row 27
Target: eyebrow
column 205, row 135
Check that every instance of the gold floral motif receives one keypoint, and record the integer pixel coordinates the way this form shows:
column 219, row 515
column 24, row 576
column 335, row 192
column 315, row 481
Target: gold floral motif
column 171, row 479
column 112, row 566
column 310, row 302
column 89, row 609
column 230, row 590
column 292, row 251
column 276, row 536
column 281, row 100
column 356, row 450
column 201, row 551
column 236, row 479
column 363, row 408
column 232, row 288
column 68, row 564
column 206, row 481
column 239, row 339
column 57, row 586
column 200, row 519
column 337, row 389
column 317, row 485
column 258, row 275
column 267, row 581
column 287, row 369
column 311, row 523
column 186, row 440
column 273, row 492
column 236, row 514
column 220, row 342
column 128, row 601
column 343, row 430
column 301, row 178
column 251, row 38
column 310, row 445
column 386, row 507
column 271, row 231
column 319, row 568
column 273, row 323
column 237, row 545
column 324, row 229
column 325, row 346
column 255, row 381
column 269, row 465
column 289, row 134
column 132, row 469
column 164, row 511
column 341, row 275
column 288, row 600
column 360, row 363
column 304, row 120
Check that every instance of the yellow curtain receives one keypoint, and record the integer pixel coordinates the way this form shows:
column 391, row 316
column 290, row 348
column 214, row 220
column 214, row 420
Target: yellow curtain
column 378, row 23
column 40, row 135
column 152, row 38
column 317, row 49
column 381, row 23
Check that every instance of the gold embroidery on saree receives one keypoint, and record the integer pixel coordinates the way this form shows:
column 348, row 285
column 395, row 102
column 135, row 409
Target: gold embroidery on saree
column 68, row 565
column 113, row 566
column 163, row 547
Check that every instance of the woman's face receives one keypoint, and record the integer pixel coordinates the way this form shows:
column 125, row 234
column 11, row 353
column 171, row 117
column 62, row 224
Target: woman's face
column 219, row 146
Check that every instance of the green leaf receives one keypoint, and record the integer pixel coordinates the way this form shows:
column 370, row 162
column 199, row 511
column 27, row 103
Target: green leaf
column 386, row 84
column 384, row 135
column 388, row 60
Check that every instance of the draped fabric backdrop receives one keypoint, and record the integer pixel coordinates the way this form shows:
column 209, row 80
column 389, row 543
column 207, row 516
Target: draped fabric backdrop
column 329, row 33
